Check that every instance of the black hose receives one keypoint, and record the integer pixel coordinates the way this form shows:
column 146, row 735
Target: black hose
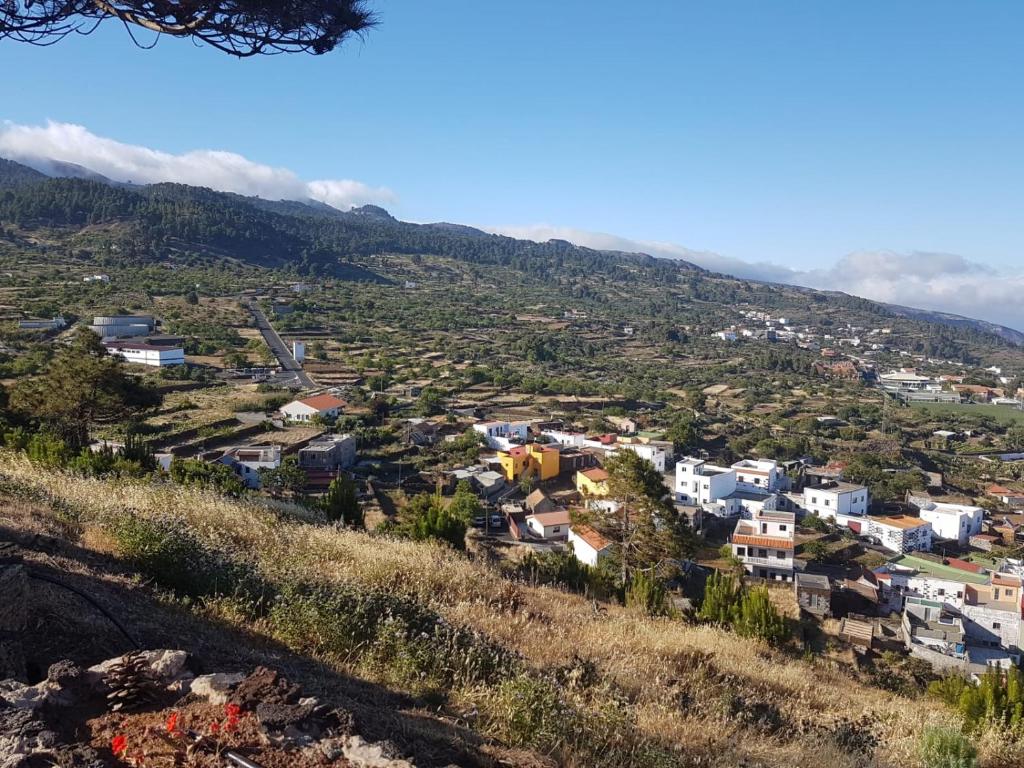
column 88, row 599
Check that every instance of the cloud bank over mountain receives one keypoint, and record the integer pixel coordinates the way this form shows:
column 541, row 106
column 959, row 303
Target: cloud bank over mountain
column 36, row 145
column 943, row 282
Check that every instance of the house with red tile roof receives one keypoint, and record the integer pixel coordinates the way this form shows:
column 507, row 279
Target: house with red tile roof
column 588, row 545
column 1009, row 496
column 326, row 406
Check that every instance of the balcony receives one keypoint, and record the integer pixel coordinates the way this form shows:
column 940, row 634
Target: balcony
column 768, row 562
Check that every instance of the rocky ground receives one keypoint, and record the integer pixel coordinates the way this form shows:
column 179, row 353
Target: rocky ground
column 171, row 717
column 59, row 615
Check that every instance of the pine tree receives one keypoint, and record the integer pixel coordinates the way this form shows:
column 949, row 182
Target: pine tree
column 721, row 596
column 647, row 593
column 756, row 616
column 340, row 503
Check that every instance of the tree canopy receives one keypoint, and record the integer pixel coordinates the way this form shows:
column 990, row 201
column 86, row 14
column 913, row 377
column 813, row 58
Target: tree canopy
column 80, row 387
column 648, row 533
column 239, row 27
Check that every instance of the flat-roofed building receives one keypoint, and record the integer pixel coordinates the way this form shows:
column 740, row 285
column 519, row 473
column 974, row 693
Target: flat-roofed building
column 765, row 544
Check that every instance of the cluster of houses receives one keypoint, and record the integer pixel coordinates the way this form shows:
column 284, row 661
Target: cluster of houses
column 956, row 613
column 321, row 458
column 910, row 386
column 761, row 325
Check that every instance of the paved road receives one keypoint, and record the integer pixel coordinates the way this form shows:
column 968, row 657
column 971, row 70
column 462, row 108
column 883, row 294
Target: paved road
column 279, row 348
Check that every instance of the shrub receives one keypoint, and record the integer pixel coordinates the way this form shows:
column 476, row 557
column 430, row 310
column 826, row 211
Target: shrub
column 426, row 518
column 749, row 612
column 721, row 594
column 948, row 690
column 815, row 523
column 997, row 699
column 647, row 593
column 942, row 747
column 528, row 711
column 165, row 550
column 393, row 638
column 755, row 616
column 340, row 504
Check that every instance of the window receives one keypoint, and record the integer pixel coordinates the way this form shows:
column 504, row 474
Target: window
column 781, row 554
column 942, row 592
column 762, row 553
column 995, row 625
column 827, row 502
column 764, row 527
column 741, row 551
column 782, row 527
column 556, row 529
column 995, row 594
column 814, row 499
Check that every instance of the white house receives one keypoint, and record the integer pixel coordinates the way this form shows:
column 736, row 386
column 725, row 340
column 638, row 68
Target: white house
column 942, row 581
column 247, row 461
column 588, row 545
column 549, row 525
column 502, row 435
column 146, row 354
column 956, row 522
column 898, row 533
column 653, row 452
column 716, row 490
column 759, row 475
column 992, row 613
column 700, row 483
column 562, row 437
column 324, row 406
column 764, row 544
column 836, row 499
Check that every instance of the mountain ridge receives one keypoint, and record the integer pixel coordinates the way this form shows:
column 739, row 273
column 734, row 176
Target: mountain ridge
column 370, row 228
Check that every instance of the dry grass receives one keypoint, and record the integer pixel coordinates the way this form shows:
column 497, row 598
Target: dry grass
column 693, row 687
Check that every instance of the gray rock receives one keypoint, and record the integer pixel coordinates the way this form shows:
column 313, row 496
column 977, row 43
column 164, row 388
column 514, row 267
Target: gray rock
column 216, row 688
column 168, row 665
column 363, row 754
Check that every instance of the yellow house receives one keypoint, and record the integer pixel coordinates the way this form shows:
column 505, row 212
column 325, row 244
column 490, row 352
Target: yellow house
column 541, row 461
column 544, row 460
column 592, row 482
column 514, row 462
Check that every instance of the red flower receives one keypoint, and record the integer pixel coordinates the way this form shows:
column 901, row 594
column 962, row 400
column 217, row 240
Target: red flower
column 234, row 713
column 214, row 726
column 119, row 745
column 172, row 722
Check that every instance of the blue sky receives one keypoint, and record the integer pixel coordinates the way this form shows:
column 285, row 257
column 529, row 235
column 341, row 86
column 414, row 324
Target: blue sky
column 789, row 137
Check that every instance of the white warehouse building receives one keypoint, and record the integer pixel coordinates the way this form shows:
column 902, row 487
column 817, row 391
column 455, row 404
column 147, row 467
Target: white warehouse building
column 146, row 354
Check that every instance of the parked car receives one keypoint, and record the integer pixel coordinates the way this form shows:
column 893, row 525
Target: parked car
column 479, row 521
column 497, row 521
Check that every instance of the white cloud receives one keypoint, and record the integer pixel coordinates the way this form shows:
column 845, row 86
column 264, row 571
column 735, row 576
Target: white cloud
column 942, row 282
column 224, row 171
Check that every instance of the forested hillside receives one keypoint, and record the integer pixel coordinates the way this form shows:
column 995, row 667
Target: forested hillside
column 128, row 226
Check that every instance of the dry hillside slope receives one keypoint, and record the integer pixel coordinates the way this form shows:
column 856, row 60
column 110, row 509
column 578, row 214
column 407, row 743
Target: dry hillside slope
column 454, row 663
